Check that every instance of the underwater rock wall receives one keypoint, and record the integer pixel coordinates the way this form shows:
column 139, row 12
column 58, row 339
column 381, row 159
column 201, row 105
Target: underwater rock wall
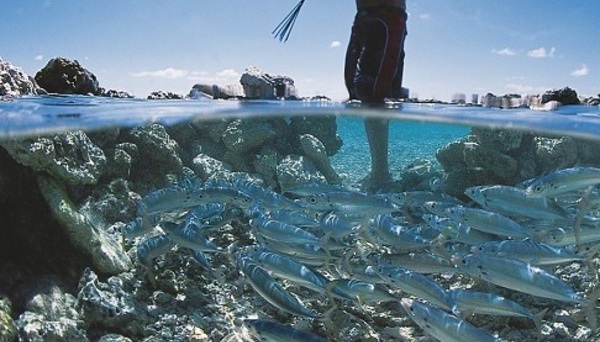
column 500, row 156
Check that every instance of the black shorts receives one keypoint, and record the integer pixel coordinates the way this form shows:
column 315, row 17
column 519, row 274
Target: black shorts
column 375, row 55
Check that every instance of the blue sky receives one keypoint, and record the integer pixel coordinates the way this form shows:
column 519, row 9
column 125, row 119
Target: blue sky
column 463, row 46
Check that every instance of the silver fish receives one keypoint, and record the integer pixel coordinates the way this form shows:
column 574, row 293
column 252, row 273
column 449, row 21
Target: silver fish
column 136, row 227
column 517, row 275
column 421, row 262
column 398, row 236
column 417, row 285
column 271, row 331
column 287, row 268
column 564, row 181
column 350, row 202
column 267, row 198
column 152, row 247
column 442, row 325
column 338, row 226
column 189, row 237
column 514, row 201
column 529, row 251
column 282, row 232
column 566, row 236
column 456, row 231
column 359, row 291
column 268, row 288
column 414, row 199
column 487, row 221
column 311, row 188
column 485, row 303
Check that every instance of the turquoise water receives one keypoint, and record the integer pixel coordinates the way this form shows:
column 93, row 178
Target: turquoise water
column 35, row 115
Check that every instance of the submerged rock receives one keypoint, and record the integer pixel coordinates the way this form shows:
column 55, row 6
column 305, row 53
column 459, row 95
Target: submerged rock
column 70, row 157
column 205, row 166
column 315, row 150
column 555, row 153
column 109, row 306
column 294, row 170
column 499, row 164
column 503, row 140
column 51, row 316
column 7, row 325
column 64, row 76
column 104, row 250
column 156, row 149
column 242, row 136
column 323, row 128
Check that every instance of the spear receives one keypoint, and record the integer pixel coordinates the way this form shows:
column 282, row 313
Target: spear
column 283, row 30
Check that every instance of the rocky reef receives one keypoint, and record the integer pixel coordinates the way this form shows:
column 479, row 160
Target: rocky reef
column 503, row 156
column 14, row 81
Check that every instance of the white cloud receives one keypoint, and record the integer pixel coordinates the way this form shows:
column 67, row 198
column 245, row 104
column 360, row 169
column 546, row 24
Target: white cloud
column 505, row 52
column 335, row 44
column 524, row 88
column 220, row 77
column 169, row 72
column 228, row 73
column 425, row 16
column 541, row 53
column 39, row 57
column 583, row 71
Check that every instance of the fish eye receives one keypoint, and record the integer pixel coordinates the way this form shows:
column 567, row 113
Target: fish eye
column 312, row 200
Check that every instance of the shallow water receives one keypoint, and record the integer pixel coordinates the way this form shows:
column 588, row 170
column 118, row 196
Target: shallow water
column 51, row 114
column 178, row 288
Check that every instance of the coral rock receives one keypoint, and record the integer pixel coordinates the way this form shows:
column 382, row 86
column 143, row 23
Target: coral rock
column 104, row 250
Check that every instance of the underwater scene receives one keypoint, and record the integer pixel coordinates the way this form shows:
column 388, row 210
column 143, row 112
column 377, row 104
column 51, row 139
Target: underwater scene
column 193, row 220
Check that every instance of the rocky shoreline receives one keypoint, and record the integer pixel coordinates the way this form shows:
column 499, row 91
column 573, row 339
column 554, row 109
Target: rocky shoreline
column 67, row 275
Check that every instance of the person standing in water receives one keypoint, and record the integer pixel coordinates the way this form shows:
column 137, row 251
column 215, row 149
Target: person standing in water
column 373, row 69
column 373, row 72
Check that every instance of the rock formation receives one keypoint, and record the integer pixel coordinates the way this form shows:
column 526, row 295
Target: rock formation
column 261, row 85
column 63, row 76
column 14, row 81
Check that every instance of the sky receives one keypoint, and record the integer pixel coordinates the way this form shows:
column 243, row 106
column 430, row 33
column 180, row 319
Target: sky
column 462, row 46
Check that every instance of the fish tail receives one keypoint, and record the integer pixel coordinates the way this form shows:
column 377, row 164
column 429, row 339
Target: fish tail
column 329, row 313
column 325, row 245
column 584, row 207
column 589, row 308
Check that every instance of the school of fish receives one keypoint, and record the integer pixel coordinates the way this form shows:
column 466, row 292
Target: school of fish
column 354, row 248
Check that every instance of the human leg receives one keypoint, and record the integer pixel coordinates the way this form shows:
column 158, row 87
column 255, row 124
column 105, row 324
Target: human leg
column 377, row 130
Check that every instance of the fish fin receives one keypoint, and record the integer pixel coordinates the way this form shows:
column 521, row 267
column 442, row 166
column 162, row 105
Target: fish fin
column 537, row 320
column 329, row 313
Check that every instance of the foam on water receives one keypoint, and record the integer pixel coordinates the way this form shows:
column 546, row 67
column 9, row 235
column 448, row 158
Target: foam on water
column 52, row 114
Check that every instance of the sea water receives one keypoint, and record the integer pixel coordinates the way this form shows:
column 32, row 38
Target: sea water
column 178, row 293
